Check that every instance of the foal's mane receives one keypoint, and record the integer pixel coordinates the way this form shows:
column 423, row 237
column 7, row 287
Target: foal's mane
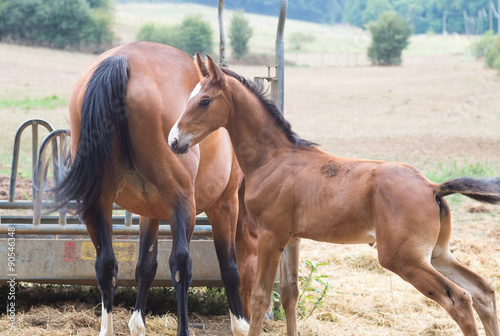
column 271, row 108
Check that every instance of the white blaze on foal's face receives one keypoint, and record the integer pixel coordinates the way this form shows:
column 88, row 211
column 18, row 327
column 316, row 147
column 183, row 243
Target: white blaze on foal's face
column 196, row 90
column 174, row 135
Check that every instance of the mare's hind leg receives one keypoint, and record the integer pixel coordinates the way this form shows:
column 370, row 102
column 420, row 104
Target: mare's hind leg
column 181, row 265
column 223, row 216
column 481, row 289
column 99, row 227
column 289, row 284
column 145, row 272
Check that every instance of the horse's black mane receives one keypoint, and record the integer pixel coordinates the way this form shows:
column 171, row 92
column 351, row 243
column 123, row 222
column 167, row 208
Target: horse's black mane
column 271, row 107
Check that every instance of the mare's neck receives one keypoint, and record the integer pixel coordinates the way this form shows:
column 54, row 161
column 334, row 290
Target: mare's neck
column 255, row 135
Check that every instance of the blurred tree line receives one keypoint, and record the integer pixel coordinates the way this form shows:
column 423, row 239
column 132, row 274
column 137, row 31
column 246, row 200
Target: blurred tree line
column 84, row 25
column 460, row 16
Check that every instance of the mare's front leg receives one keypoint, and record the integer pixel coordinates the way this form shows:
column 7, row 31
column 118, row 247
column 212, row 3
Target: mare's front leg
column 99, row 226
column 145, row 271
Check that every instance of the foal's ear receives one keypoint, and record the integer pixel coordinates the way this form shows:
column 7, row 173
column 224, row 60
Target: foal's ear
column 202, row 67
column 215, row 72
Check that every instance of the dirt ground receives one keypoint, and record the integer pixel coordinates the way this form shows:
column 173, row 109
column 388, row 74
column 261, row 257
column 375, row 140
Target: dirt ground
column 428, row 112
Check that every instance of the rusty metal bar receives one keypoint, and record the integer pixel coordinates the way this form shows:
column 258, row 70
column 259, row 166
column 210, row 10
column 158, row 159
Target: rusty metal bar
column 27, row 205
column 81, row 229
column 17, row 145
column 41, row 171
column 47, row 225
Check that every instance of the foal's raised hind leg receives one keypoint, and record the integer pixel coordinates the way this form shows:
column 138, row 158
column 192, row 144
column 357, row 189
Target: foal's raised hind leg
column 408, row 255
column 145, row 271
column 454, row 299
column 481, row 289
column 289, row 284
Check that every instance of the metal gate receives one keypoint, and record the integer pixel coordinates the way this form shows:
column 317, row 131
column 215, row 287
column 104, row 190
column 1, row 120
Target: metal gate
column 48, row 248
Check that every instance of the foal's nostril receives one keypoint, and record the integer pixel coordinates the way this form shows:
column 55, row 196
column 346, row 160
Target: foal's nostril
column 174, row 144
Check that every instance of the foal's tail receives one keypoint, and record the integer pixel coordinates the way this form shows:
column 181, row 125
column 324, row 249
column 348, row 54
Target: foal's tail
column 102, row 127
column 485, row 190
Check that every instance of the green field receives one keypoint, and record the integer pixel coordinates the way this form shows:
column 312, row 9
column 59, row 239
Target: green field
column 332, row 45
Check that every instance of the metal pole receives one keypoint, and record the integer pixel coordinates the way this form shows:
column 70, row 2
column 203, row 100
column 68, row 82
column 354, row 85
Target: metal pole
column 222, row 35
column 445, row 14
column 491, row 17
column 280, row 53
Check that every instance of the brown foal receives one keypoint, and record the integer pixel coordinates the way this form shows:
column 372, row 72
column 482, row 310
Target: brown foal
column 294, row 190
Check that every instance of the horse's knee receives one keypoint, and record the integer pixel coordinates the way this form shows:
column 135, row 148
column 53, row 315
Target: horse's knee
column 230, row 274
column 106, row 268
column 260, row 300
column 181, row 266
column 289, row 292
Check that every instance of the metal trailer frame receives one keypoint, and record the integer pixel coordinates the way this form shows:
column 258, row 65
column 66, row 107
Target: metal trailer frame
column 56, row 249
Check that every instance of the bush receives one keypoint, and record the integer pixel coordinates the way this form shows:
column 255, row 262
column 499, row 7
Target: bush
column 488, row 46
column 191, row 36
column 240, row 33
column 390, row 36
column 196, row 35
column 480, row 47
column 299, row 39
column 160, row 34
column 56, row 23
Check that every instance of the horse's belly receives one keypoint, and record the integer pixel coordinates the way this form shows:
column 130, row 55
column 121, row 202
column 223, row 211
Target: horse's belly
column 137, row 195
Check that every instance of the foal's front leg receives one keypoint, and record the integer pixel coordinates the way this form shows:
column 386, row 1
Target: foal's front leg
column 289, row 284
column 145, row 272
column 269, row 249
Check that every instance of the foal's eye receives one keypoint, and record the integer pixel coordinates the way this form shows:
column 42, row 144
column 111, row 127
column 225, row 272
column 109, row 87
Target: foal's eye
column 204, row 103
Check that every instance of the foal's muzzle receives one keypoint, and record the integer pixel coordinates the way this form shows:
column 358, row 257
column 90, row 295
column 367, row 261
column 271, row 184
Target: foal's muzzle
column 178, row 149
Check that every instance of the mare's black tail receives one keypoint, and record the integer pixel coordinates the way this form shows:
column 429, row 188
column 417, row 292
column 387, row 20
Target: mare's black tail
column 486, row 190
column 102, row 126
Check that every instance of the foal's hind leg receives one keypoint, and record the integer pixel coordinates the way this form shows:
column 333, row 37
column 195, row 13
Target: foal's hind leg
column 99, row 227
column 409, row 260
column 481, row 289
column 145, row 272
column 289, row 284
column 223, row 217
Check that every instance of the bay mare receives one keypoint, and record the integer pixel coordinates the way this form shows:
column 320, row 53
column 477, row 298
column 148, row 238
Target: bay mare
column 294, row 190
column 121, row 110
